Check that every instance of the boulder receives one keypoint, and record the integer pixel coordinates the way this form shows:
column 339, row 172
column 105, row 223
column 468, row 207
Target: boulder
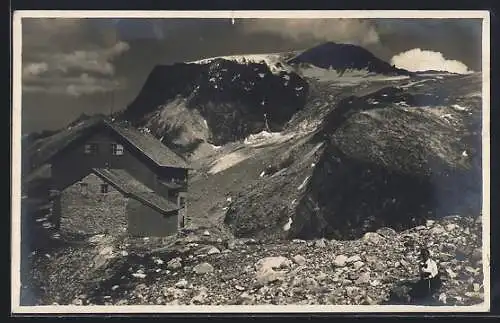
column 353, row 259
column 372, row 237
column 340, row 261
column 174, row 263
column 299, row 260
column 213, row 251
column 203, row 268
column 266, row 269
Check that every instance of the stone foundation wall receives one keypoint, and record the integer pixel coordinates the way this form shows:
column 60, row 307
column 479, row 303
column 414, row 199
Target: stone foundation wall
column 93, row 212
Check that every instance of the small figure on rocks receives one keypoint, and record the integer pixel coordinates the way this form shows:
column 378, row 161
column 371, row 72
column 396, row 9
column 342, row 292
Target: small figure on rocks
column 429, row 272
column 420, row 291
column 430, row 280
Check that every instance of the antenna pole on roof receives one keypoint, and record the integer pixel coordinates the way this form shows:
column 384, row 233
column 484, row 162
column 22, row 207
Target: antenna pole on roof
column 112, row 104
column 112, row 101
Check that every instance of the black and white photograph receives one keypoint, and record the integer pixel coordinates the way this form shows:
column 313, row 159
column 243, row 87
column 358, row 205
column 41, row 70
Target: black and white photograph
column 231, row 161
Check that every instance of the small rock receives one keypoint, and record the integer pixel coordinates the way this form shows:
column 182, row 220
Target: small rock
column 321, row 276
column 353, row 275
column 272, row 263
column 106, row 250
column 364, row 278
column 213, row 251
column 203, row 268
column 231, row 245
column 471, row 270
column 266, row 269
column 206, row 233
column 358, row 264
column 299, row 260
column 353, row 259
column 372, row 237
column 77, row 302
column 299, row 241
column 397, row 264
column 387, row 232
column 437, row 230
column 124, row 253
column 369, row 301
column 181, row 284
column 352, row 291
column 158, row 261
column 174, row 302
column 450, row 273
column 340, row 261
column 201, row 297
column 115, row 287
column 451, row 227
column 139, row 275
column 320, row 243
column 346, row 282
column 240, row 288
column 246, row 299
column 429, row 223
column 174, row 264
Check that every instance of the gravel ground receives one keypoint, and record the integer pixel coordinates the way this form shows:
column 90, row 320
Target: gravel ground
column 202, row 268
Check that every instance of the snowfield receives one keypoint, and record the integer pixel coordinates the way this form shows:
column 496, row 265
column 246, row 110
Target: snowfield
column 274, row 61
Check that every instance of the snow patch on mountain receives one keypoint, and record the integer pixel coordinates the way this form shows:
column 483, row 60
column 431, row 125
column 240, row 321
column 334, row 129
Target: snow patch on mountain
column 274, row 61
column 227, row 161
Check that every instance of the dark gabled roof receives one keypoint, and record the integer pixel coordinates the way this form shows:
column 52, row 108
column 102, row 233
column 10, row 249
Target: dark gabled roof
column 145, row 143
column 131, row 187
column 149, row 146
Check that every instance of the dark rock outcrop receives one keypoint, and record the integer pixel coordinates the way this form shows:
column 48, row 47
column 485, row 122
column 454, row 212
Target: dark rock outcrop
column 342, row 57
column 232, row 100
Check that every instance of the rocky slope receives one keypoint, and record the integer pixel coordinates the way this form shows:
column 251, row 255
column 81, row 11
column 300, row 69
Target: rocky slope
column 394, row 156
column 193, row 268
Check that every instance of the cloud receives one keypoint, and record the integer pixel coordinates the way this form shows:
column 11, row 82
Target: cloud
column 355, row 31
column 96, row 61
column 65, row 56
column 74, row 86
column 421, row 60
column 35, row 69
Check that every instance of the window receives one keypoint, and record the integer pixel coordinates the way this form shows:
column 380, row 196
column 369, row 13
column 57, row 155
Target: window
column 117, row 149
column 91, row 148
column 104, row 188
column 84, row 188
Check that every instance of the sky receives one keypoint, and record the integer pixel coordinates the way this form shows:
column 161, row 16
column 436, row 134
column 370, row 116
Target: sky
column 94, row 65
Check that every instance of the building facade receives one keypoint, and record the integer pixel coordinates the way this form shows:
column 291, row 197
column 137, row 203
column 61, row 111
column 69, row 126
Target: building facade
column 113, row 178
